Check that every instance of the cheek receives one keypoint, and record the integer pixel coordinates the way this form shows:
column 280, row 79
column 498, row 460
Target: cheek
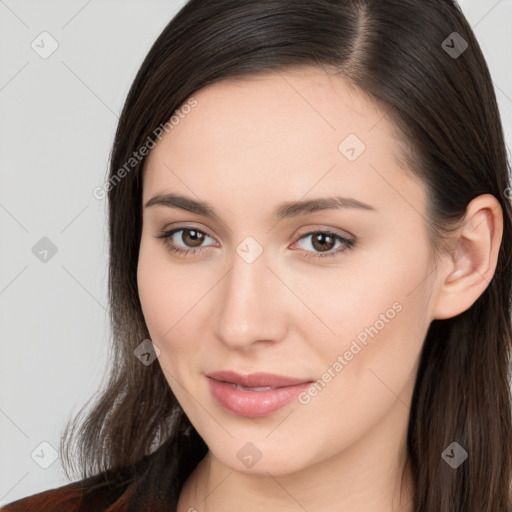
column 380, row 316
column 157, row 293
column 159, row 302
column 168, row 294
column 378, row 294
column 153, row 292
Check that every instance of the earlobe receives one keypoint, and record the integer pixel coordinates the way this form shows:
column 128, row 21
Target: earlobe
column 471, row 265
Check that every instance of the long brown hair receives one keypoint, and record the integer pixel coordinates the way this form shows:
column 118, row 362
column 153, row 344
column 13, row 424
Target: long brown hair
column 444, row 108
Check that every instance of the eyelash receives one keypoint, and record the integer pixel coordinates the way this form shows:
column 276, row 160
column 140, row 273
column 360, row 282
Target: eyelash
column 349, row 244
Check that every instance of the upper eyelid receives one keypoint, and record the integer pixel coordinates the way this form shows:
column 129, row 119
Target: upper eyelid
column 300, row 236
column 319, row 227
column 187, row 228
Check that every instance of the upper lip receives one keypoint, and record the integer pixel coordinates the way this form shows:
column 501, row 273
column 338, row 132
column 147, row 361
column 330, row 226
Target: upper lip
column 254, row 380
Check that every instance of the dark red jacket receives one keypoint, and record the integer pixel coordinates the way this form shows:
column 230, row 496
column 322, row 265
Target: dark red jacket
column 93, row 494
column 152, row 485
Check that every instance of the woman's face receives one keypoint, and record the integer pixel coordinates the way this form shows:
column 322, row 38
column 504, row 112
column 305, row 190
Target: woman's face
column 329, row 293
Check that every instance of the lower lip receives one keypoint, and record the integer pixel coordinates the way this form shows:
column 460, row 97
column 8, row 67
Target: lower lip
column 253, row 404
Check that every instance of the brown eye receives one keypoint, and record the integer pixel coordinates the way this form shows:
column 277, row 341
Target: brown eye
column 192, row 237
column 190, row 241
column 323, row 242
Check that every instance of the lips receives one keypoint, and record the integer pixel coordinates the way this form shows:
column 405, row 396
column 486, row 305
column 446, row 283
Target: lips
column 254, row 395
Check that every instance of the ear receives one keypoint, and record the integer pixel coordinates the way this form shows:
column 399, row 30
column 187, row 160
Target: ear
column 470, row 266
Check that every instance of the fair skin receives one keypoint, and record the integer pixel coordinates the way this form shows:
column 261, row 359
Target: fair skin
column 247, row 147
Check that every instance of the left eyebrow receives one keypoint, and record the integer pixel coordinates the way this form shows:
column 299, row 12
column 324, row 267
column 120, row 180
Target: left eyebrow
column 284, row 210
column 296, row 208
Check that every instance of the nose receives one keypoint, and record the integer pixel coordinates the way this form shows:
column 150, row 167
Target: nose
column 251, row 306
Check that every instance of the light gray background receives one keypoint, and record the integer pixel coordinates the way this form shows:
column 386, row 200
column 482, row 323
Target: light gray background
column 57, row 121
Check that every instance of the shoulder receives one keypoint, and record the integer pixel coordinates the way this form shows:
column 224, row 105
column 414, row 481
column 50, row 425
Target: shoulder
column 93, row 494
column 153, row 483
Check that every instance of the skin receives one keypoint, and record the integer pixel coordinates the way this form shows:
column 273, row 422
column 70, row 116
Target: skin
column 248, row 146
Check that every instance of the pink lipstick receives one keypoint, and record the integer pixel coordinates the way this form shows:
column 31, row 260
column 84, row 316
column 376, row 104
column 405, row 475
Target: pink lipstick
column 256, row 394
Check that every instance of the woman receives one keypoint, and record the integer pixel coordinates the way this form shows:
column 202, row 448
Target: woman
column 310, row 269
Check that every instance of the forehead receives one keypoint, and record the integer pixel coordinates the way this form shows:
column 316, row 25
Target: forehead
column 307, row 102
column 289, row 129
